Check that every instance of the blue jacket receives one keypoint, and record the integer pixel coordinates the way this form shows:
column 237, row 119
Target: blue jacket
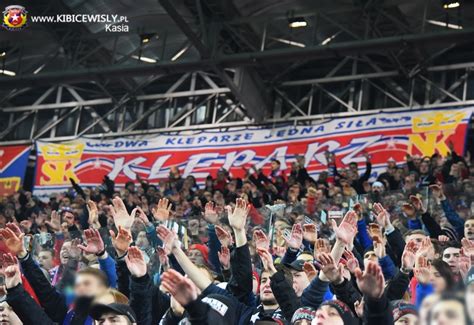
column 422, row 291
column 388, row 267
column 362, row 234
column 314, row 294
column 108, row 266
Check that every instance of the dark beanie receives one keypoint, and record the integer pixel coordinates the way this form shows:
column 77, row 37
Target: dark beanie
column 344, row 311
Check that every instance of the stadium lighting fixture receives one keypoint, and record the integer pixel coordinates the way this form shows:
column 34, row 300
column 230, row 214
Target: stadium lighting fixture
column 146, row 38
column 2, row 54
column 144, row 59
column 330, row 38
column 450, row 4
column 39, row 69
column 297, row 22
column 443, row 24
column 285, row 41
column 8, row 73
column 179, row 53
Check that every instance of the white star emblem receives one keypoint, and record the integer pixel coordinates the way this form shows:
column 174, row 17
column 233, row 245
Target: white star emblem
column 15, row 17
column 254, row 318
column 391, row 143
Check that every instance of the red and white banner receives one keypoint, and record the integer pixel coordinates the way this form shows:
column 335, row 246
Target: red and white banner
column 382, row 135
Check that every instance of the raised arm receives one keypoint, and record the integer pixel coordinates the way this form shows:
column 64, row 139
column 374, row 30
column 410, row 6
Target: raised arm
column 21, row 302
column 52, row 301
column 95, row 245
column 170, row 241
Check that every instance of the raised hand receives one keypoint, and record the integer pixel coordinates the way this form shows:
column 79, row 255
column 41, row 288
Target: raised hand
column 422, row 271
column 443, row 239
column 210, row 213
column 329, row 268
column 426, row 248
column 347, row 229
column 267, row 260
column 382, row 216
column 135, row 262
column 93, row 214
column 182, row 289
column 379, row 247
column 260, row 239
column 320, row 247
column 164, row 260
column 374, row 230
column 120, row 214
column 417, row 203
column 310, row 233
column 141, row 215
column 409, row 256
column 169, row 239
column 279, row 251
column 122, row 241
column 13, row 241
column 468, row 247
column 14, row 227
column 296, row 238
column 370, row 282
column 437, row 192
column 351, row 261
column 358, row 210
column 359, row 308
column 310, row 270
column 12, row 272
column 55, row 222
column 161, row 211
column 224, row 236
column 95, row 244
column 224, row 257
column 74, row 250
column 238, row 216
column 409, row 210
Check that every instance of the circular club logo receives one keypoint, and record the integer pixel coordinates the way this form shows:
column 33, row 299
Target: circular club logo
column 14, row 18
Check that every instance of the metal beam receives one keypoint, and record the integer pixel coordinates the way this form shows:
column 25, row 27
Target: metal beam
column 232, row 60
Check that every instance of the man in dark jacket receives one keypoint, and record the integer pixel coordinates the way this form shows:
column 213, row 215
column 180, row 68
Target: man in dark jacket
column 90, row 283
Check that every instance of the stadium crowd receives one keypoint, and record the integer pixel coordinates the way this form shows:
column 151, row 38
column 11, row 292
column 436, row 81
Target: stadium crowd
column 270, row 248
